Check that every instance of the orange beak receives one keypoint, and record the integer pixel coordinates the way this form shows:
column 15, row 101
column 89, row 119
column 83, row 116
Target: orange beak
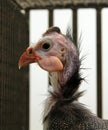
column 29, row 56
column 50, row 63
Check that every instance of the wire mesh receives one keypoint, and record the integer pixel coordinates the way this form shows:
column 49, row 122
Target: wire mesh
column 14, row 90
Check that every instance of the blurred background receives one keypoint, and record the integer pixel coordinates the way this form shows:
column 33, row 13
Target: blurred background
column 86, row 21
column 22, row 93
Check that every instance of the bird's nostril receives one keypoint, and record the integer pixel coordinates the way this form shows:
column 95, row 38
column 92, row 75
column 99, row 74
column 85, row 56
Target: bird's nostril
column 29, row 51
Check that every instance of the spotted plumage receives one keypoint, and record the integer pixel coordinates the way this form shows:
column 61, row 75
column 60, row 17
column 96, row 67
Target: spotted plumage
column 57, row 54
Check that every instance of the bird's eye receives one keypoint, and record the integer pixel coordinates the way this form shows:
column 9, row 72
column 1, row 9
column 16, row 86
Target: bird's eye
column 46, row 46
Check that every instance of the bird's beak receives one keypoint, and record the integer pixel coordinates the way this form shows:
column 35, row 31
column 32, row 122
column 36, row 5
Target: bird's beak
column 28, row 57
column 50, row 63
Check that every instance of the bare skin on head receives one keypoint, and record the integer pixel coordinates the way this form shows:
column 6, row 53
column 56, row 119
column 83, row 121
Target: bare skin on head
column 56, row 53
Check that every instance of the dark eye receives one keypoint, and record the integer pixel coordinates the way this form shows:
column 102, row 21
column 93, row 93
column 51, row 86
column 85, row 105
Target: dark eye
column 46, row 46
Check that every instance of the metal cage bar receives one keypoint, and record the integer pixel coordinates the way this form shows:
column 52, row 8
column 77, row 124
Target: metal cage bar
column 99, row 50
column 99, row 63
column 75, row 26
column 8, row 7
column 50, row 11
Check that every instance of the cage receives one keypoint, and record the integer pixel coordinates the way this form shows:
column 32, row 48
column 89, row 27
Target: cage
column 14, row 36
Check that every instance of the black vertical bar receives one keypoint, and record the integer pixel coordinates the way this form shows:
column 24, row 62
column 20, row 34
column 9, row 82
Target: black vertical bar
column 50, row 17
column 27, row 15
column 50, row 23
column 99, row 64
column 75, row 26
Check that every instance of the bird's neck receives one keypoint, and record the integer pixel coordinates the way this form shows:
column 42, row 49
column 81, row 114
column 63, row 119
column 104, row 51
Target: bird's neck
column 60, row 78
column 68, row 79
column 64, row 84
